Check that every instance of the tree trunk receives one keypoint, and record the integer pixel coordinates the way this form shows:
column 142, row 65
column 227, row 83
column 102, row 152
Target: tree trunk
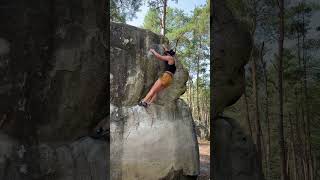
column 295, row 169
column 198, row 79
column 190, row 93
column 197, row 88
column 265, row 75
column 163, row 19
column 247, row 112
column 257, row 113
column 302, row 144
column 177, row 41
column 284, row 173
column 299, row 144
column 306, row 103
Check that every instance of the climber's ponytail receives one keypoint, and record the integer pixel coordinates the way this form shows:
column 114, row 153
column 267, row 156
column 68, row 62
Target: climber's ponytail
column 171, row 52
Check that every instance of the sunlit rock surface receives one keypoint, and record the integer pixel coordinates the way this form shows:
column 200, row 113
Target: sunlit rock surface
column 158, row 142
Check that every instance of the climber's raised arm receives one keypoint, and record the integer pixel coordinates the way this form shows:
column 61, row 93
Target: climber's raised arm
column 158, row 56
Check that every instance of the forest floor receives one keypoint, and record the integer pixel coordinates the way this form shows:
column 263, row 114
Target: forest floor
column 204, row 150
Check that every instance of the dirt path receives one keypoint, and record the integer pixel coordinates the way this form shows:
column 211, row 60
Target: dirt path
column 204, row 150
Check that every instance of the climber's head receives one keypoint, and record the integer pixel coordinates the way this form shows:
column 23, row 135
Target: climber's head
column 167, row 52
column 171, row 52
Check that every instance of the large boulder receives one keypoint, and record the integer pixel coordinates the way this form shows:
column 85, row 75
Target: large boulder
column 133, row 71
column 85, row 159
column 234, row 151
column 231, row 53
column 53, row 63
column 158, row 142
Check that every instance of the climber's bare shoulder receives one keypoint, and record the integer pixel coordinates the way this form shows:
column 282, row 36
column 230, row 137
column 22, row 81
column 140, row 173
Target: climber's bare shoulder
column 167, row 58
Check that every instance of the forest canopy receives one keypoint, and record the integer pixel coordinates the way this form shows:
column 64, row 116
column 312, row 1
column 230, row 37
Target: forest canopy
column 280, row 107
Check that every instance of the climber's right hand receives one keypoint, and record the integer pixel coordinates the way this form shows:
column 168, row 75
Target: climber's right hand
column 164, row 47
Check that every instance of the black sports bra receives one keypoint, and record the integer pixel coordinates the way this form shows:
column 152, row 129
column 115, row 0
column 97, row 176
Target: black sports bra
column 170, row 67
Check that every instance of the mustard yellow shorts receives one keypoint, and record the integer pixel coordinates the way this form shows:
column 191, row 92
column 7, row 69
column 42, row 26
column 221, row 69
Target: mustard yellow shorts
column 166, row 79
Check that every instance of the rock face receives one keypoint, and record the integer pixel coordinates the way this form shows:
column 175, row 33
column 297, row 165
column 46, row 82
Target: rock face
column 85, row 158
column 158, row 142
column 234, row 151
column 53, row 65
column 231, row 52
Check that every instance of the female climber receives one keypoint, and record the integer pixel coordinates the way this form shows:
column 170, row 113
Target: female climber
column 166, row 78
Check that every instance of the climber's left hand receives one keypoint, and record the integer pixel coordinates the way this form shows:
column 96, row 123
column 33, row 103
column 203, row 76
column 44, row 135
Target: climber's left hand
column 152, row 50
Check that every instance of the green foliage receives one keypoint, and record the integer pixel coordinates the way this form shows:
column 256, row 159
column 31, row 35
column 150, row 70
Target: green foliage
column 122, row 10
column 295, row 23
column 152, row 21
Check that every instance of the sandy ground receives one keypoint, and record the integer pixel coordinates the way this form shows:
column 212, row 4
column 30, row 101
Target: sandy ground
column 204, row 150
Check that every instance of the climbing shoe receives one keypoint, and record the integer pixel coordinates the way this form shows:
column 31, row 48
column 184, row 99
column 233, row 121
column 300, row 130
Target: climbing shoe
column 144, row 104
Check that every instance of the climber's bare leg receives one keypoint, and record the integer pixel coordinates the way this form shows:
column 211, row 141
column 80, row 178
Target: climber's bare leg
column 152, row 91
column 152, row 98
column 155, row 94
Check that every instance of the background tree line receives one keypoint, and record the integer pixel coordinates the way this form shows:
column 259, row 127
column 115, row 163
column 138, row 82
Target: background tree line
column 280, row 106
